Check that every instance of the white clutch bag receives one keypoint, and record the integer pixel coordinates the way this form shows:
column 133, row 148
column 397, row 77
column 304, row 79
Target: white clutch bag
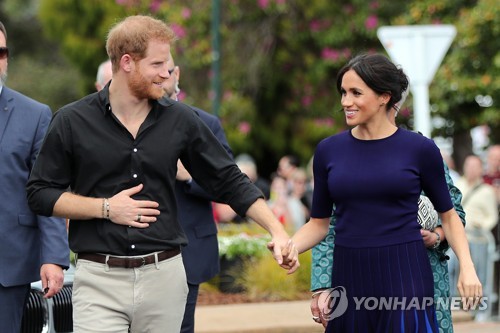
column 427, row 216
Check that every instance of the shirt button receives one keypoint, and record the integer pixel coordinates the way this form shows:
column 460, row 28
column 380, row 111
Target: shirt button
column 134, row 175
column 135, row 150
column 132, row 246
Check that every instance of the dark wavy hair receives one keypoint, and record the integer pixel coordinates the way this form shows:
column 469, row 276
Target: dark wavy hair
column 378, row 73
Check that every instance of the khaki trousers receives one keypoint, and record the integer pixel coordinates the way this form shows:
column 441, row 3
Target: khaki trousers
column 149, row 299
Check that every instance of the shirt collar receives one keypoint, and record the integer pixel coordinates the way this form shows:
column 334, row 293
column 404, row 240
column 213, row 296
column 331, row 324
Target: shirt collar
column 106, row 105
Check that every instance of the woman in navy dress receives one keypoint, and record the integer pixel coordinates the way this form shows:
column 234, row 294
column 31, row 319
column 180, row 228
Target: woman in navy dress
column 374, row 173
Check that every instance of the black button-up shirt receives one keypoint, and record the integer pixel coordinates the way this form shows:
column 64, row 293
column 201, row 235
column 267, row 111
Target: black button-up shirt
column 88, row 150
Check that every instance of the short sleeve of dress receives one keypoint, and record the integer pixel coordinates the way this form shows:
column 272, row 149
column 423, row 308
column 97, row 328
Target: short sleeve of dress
column 433, row 177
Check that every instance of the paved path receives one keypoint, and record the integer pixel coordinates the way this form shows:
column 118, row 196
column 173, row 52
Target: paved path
column 290, row 317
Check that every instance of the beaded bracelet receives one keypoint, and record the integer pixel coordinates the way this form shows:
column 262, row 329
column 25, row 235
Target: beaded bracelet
column 105, row 208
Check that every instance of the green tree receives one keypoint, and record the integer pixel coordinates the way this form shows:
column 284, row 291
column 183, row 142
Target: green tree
column 280, row 59
column 35, row 66
column 80, row 28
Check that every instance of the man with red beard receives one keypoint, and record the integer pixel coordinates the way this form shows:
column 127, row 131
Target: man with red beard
column 117, row 151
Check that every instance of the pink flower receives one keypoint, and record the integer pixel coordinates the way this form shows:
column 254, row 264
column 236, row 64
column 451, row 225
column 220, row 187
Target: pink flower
column 263, row 4
column 348, row 9
column 315, row 25
column 181, row 95
column 323, row 122
column 186, row 13
column 346, row 53
column 155, row 5
column 405, row 112
column 178, row 30
column 244, row 127
column 306, row 101
column 371, row 22
column 330, row 54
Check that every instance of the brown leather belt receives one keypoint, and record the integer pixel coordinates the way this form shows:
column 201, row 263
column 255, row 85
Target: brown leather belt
column 129, row 262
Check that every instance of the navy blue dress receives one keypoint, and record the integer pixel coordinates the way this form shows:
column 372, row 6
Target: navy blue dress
column 381, row 264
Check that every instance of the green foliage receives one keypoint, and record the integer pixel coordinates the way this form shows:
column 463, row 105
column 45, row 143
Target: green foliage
column 80, row 28
column 279, row 60
column 44, row 82
column 36, row 68
column 263, row 279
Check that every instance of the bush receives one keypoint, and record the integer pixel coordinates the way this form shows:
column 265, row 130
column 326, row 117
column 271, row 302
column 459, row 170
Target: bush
column 264, row 280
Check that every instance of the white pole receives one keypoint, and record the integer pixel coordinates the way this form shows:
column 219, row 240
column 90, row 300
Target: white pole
column 420, row 87
column 421, row 108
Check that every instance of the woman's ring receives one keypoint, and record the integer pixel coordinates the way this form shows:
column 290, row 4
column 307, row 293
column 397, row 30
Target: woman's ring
column 316, row 319
column 139, row 217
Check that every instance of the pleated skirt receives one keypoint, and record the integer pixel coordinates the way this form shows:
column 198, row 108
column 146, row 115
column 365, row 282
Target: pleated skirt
column 387, row 289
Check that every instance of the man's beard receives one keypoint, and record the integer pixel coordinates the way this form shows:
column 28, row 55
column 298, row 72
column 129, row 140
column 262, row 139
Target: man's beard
column 142, row 88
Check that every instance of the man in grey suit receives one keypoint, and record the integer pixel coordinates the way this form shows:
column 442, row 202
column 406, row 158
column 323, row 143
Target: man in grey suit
column 31, row 247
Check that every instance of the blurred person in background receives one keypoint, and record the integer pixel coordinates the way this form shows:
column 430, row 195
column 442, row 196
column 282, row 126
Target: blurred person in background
column 286, row 167
column 297, row 201
column 104, row 74
column 480, row 206
column 278, row 200
column 492, row 177
column 249, row 167
column 224, row 213
column 451, row 166
column 492, row 173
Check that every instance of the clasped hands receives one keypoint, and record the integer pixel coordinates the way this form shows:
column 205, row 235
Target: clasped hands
column 286, row 254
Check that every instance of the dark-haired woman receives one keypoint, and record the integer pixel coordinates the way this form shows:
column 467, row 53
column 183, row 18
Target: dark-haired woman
column 374, row 173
